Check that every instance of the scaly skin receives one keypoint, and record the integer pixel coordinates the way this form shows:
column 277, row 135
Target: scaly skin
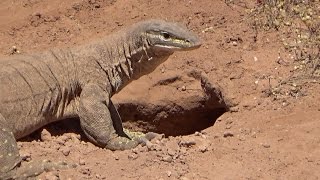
column 38, row 89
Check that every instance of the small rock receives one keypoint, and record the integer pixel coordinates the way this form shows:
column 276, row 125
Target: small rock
column 234, row 109
column 171, row 152
column 85, row 171
column 208, row 29
column 62, row 139
column 115, row 157
column 197, row 133
column 133, row 156
column 167, row 158
column 234, row 43
column 98, row 176
column 241, row 138
column 14, row 50
column 169, row 173
column 45, row 135
column 203, row 148
column 228, row 134
column 65, row 151
column 26, row 156
column 82, row 162
column 183, row 88
column 134, row 150
column 187, row 142
column 153, row 147
column 75, row 138
column 265, row 145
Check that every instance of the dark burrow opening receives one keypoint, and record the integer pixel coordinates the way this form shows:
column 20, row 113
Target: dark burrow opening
column 183, row 123
column 191, row 114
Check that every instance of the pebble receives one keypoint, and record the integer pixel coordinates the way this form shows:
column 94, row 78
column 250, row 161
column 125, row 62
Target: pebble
column 228, row 134
column 169, row 173
column 115, row 157
column 26, row 156
column 265, row 145
column 153, row 147
column 82, row 162
column 234, row 43
column 187, row 142
column 133, row 156
column 234, row 109
column 203, row 148
column 45, row 135
column 65, row 151
column 171, row 152
column 167, row 158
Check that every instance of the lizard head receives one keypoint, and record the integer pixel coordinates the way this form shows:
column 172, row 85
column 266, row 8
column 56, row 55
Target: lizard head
column 168, row 36
column 153, row 41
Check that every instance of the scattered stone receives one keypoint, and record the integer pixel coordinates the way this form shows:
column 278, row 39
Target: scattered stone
column 265, row 145
column 152, row 147
column 187, row 142
column 115, row 157
column 14, row 50
column 45, row 135
column 171, row 152
column 241, row 138
column 26, row 156
column 65, row 151
column 133, row 156
column 82, row 162
column 234, row 43
column 183, row 88
column 228, row 134
column 208, row 29
column 204, row 147
column 85, row 171
column 167, row 158
column 234, row 109
column 62, row 139
column 98, row 176
column 169, row 173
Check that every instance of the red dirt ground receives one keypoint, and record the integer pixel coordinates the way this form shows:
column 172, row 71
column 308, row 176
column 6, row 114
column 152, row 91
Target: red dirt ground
column 259, row 138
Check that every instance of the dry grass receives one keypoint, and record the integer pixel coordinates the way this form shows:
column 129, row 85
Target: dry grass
column 298, row 21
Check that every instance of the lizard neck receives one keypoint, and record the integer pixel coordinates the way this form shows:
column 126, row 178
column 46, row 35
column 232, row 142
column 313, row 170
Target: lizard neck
column 126, row 56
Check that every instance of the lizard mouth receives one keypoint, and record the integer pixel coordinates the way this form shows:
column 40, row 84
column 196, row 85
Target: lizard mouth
column 185, row 47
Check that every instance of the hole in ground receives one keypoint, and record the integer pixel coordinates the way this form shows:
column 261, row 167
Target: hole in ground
column 177, row 124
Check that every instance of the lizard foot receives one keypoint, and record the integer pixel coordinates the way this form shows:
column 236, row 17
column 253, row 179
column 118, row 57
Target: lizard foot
column 135, row 138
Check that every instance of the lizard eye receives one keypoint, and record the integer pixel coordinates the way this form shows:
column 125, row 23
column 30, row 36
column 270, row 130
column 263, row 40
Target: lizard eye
column 165, row 35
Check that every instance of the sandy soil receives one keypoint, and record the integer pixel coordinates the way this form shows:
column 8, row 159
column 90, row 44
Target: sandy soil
column 258, row 138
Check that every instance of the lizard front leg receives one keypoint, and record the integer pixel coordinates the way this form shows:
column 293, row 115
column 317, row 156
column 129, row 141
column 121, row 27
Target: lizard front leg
column 101, row 122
